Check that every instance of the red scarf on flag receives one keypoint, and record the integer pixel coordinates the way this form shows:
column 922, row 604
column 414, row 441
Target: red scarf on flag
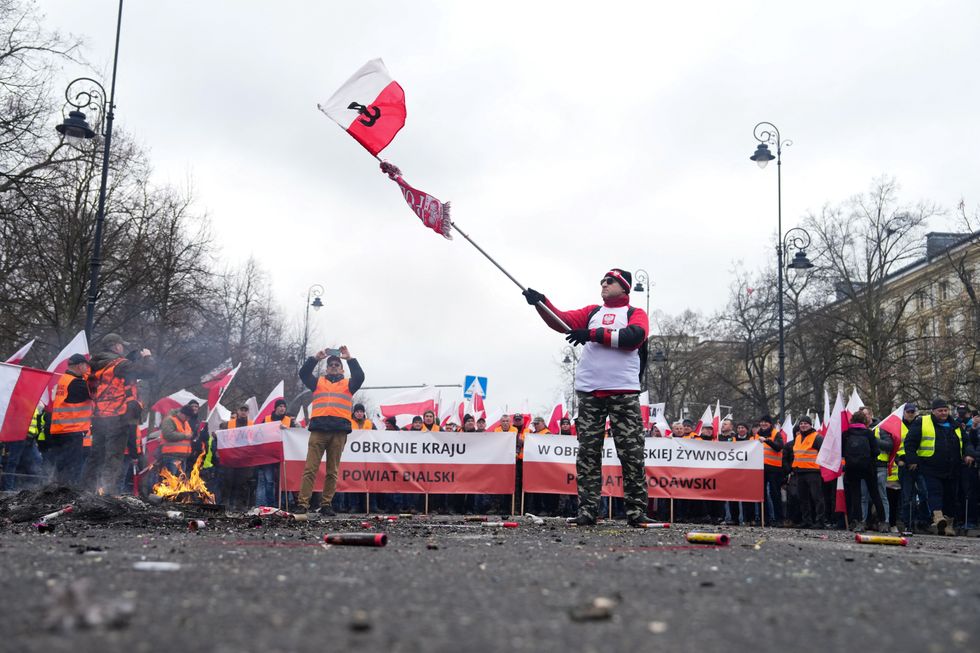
column 433, row 213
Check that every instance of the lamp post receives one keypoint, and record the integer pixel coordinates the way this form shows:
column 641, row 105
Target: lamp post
column 768, row 134
column 571, row 358
column 314, row 294
column 75, row 127
column 643, row 277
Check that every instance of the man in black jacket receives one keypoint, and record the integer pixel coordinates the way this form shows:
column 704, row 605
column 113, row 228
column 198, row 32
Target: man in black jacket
column 935, row 447
column 330, row 422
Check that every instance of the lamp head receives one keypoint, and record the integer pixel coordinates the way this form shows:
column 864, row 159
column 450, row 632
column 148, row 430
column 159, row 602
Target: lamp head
column 762, row 155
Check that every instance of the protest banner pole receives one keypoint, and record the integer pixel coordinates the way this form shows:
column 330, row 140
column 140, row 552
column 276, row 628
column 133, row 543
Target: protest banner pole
column 367, row 503
column 671, row 510
column 513, row 499
column 610, row 507
column 762, row 511
column 522, row 502
column 426, row 503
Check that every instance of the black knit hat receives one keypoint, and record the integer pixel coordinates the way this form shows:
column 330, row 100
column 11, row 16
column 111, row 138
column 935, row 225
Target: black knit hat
column 279, row 402
column 358, row 407
column 624, row 278
column 187, row 410
column 767, row 418
column 939, row 403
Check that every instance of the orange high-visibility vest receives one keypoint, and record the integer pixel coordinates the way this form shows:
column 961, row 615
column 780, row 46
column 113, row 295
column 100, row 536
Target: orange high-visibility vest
column 770, row 456
column 69, row 418
column 332, row 399
column 181, row 447
column 233, row 423
column 287, row 421
column 366, row 425
column 111, row 391
column 804, row 455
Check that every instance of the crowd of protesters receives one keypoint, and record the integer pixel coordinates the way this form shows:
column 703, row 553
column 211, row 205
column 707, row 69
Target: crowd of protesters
column 924, row 477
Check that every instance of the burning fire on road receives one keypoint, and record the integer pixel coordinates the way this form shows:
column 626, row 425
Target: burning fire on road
column 181, row 489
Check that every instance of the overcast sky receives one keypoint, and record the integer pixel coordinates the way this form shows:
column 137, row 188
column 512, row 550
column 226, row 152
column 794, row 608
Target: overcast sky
column 570, row 138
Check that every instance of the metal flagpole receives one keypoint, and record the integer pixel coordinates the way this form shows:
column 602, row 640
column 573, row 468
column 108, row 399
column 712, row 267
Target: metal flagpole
column 541, row 305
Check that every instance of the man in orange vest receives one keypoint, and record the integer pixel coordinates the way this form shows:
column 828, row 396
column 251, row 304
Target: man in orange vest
column 71, row 421
column 772, row 456
column 267, row 476
column 113, row 384
column 330, row 422
column 176, row 433
column 803, row 456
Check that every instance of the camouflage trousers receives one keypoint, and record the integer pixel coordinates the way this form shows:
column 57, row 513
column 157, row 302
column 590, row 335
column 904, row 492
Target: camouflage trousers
column 626, row 426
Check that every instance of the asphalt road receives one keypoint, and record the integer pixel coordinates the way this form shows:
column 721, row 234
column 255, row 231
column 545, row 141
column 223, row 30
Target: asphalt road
column 442, row 585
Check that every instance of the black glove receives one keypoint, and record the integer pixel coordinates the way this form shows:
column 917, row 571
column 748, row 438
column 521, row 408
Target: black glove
column 533, row 296
column 578, row 336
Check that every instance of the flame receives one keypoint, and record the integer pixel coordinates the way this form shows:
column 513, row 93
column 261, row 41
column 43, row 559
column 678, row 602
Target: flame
column 182, row 489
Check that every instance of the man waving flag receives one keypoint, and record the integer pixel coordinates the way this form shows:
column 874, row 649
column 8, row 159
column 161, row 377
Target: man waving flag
column 370, row 106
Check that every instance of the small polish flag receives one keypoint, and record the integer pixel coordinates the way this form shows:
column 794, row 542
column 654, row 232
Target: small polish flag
column 217, row 386
column 405, row 405
column 20, row 354
column 787, row 429
column 705, row 419
column 659, row 419
column 370, row 106
column 175, row 401
column 78, row 345
column 20, row 390
column 826, row 413
column 716, row 418
column 557, row 413
column 279, row 392
column 829, row 457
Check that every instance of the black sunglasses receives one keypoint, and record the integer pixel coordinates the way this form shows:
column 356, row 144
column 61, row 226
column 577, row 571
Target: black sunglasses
column 607, row 280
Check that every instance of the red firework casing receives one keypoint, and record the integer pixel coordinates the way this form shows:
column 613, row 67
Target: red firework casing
column 655, row 525
column 719, row 539
column 366, row 524
column 356, row 539
column 196, row 524
column 476, row 518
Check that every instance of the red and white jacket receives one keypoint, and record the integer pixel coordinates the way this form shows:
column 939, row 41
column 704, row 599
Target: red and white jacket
column 610, row 361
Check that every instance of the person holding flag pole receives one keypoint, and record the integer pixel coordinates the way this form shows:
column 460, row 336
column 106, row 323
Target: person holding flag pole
column 607, row 384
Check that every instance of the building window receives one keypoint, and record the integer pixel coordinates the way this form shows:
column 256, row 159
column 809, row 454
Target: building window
column 944, row 290
column 920, row 300
column 948, row 325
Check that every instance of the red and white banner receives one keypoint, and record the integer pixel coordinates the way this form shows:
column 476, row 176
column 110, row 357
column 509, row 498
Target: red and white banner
column 682, row 469
column 20, row 354
column 20, row 390
column 410, row 462
column 78, row 345
column 370, row 106
column 248, row 446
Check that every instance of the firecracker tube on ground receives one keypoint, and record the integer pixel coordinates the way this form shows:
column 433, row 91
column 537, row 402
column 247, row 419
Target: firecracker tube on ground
column 356, row 539
column 893, row 540
column 718, row 539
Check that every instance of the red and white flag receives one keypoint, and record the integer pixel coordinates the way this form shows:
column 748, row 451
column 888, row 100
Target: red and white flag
column 716, row 418
column 659, row 419
column 829, row 457
column 787, row 428
column 558, row 411
column 78, row 345
column 248, row 446
column 817, row 426
column 20, row 390
column 370, row 106
column 892, row 425
column 217, row 385
column 826, row 413
column 705, row 419
column 405, row 405
column 20, row 354
column 269, row 405
column 175, row 401
column 645, row 409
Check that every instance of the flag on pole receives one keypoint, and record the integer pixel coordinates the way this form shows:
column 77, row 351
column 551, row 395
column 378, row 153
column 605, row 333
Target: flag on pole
column 175, row 401
column 826, row 412
column 645, row 409
column 78, row 345
column 817, row 425
column 557, row 413
column 405, row 405
column 20, row 354
column 370, row 106
column 787, row 428
column 217, row 385
column 829, row 457
column 253, row 408
column 892, row 425
column 716, row 419
column 659, row 419
column 268, row 406
column 20, row 390
column 705, row 419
